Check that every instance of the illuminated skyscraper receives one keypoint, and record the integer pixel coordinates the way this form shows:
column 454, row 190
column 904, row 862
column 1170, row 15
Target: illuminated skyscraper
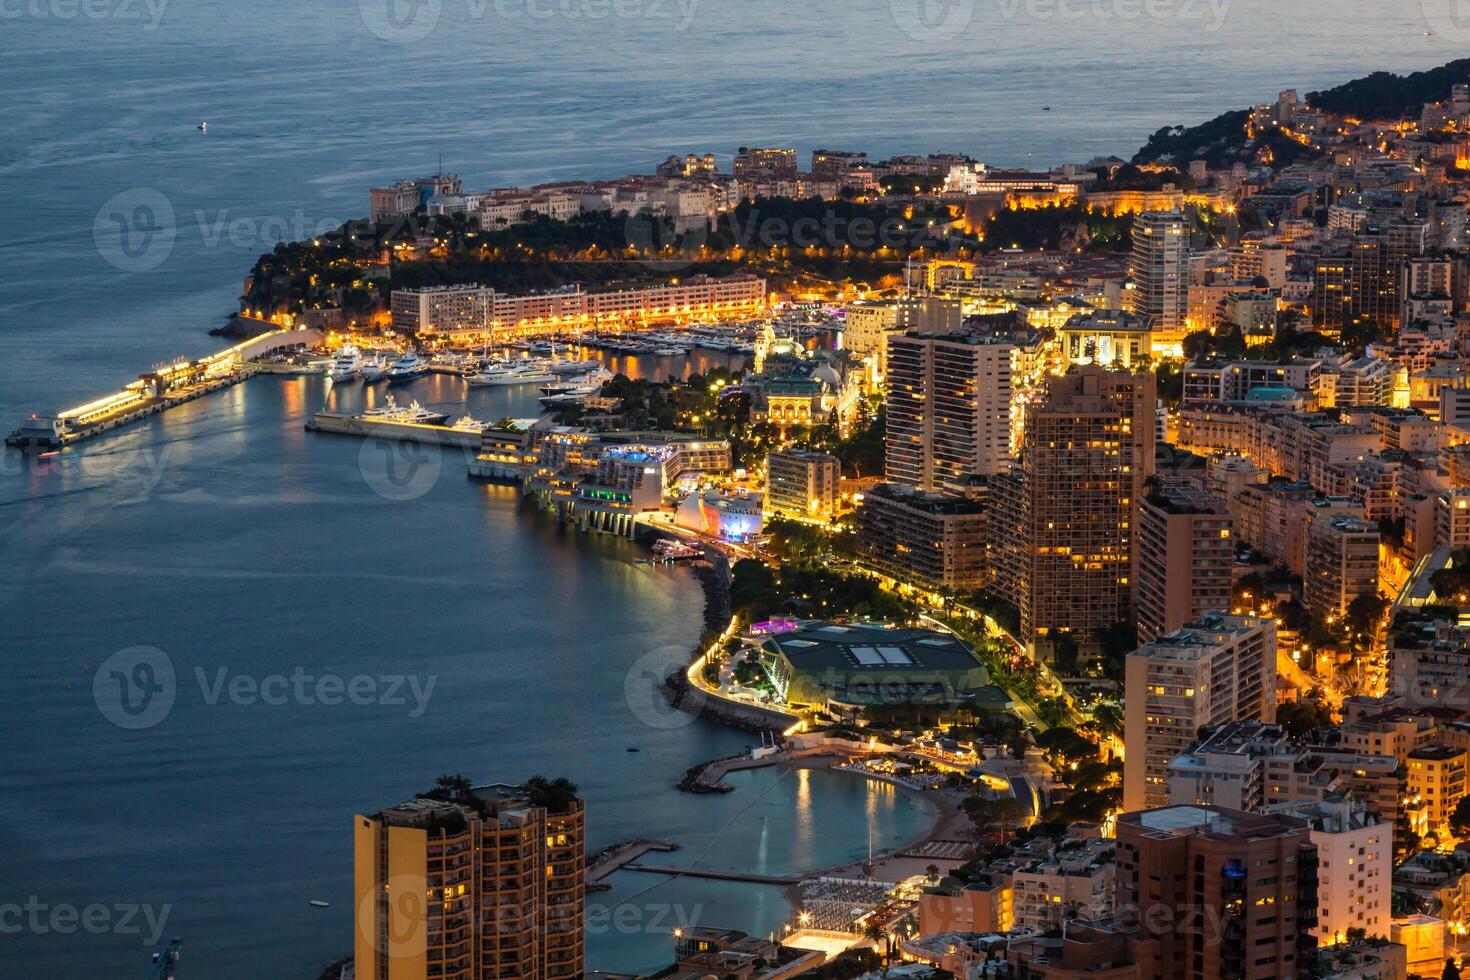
column 483, row 884
column 1160, row 270
column 1063, row 523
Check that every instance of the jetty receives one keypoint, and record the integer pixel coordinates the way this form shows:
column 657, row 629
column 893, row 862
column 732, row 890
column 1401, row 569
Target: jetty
column 620, row 856
column 754, row 879
column 165, row 386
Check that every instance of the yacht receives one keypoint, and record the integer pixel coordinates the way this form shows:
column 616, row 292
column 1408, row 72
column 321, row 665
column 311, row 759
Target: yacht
column 373, row 368
column 576, row 367
column 571, row 396
column 347, row 365
column 407, row 367
column 414, row 412
column 669, row 351
column 513, row 373
column 593, row 380
column 469, row 424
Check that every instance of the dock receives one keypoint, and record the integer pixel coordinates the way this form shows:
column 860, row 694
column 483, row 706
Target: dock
column 753, row 879
column 166, row 386
column 622, row 855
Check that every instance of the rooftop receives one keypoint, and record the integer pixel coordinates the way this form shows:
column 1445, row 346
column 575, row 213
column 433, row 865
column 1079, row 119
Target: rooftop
column 818, row 645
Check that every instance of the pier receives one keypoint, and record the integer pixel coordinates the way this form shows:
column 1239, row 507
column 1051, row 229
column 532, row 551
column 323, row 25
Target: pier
column 165, row 387
column 753, row 879
column 619, row 857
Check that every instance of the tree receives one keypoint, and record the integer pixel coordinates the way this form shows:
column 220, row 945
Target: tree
column 556, row 795
column 1460, row 819
column 1007, row 812
column 1300, row 717
column 1451, row 970
column 1364, row 614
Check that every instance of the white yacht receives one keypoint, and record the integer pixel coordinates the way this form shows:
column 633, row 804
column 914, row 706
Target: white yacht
column 523, row 373
column 414, row 412
column 408, row 367
column 576, row 367
column 374, row 367
column 469, row 424
column 347, row 366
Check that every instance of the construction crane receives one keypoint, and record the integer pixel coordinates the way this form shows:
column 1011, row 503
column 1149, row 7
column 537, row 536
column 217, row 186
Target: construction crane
column 163, row 963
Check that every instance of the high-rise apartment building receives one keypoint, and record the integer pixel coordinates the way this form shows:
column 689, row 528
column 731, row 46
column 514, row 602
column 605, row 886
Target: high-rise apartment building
column 1220, row 892
column 1213, row 671
column 484, row 884
column 1354, row 866
column 1160, row 270
column 949, row 408
column 803, row 484
column 1063, row 523
column 1186, row 559
column 1341, row 563
column 928, row 539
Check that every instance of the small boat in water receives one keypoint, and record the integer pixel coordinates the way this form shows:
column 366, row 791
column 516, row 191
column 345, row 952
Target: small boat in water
column 317, row 903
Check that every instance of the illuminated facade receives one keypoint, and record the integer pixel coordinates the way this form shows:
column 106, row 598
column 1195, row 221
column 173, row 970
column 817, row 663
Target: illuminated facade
column 489, row 886
column 1160, row 270
column 1066, row 518
column 949, row 409
column 803, row 484
column 1216, row 670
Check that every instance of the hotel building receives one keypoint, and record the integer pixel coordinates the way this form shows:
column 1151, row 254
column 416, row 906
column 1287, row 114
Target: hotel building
column 934, row 541
column 1341, row 563
column 1217, row 670
column 487, row 886
column 1160, row 270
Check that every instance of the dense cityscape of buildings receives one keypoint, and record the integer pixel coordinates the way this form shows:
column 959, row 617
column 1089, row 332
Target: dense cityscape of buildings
column 1211, row 487
column 1164, row 572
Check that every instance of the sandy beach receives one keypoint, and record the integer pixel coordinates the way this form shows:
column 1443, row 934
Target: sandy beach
column 950, row 822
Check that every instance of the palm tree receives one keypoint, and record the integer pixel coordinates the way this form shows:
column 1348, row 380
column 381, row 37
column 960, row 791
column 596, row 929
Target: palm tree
column 452, row 786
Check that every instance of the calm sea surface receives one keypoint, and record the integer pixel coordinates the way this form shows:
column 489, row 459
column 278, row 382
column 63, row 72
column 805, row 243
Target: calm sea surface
column 243, row 549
